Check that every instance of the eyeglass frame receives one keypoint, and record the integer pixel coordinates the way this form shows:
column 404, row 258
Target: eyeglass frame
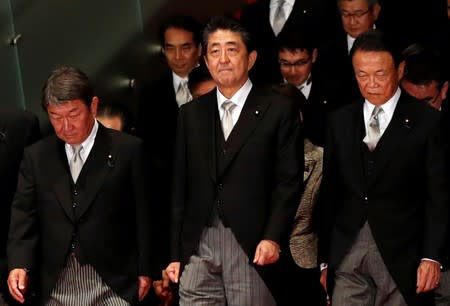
column 297, row 64
column 357, row 14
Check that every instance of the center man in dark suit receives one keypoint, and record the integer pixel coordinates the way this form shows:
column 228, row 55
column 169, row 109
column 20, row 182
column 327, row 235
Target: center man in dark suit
column 238, row 177
column 385, row 189
column 80, row 216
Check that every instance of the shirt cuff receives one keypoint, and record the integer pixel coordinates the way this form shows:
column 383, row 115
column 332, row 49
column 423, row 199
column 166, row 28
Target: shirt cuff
column 323, row 266
column 429, row 259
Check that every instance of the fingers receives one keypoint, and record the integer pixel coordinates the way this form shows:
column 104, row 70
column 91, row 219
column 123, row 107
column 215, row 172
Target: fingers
column 323, row 279
column 428, row 276
column 267, row 252
column 173, row 271
column 165, row 279
column 17, row 284
column 144, row 286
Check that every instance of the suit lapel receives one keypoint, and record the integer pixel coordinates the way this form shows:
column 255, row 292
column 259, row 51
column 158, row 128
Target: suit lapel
column 357, row 132
column 209, row 116
column 252, row 112
column 100, row 161
column 400, row 126
column 63, row 179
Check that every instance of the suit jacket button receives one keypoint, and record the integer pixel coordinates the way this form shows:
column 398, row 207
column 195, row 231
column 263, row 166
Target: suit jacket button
column 74, row 205
column 220, row 186
column 72, row 246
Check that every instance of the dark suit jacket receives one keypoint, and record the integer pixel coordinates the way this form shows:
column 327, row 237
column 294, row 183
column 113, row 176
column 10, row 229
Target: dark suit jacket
column 317, row 16
column 404, row 196
column 110, row 223
column 261, row 182
column 157, row 124
column 18, row 129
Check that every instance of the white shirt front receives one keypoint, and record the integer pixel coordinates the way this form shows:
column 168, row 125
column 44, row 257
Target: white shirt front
column 87, row 144
column 385, row 117
column 238, row 98
column 287, row 9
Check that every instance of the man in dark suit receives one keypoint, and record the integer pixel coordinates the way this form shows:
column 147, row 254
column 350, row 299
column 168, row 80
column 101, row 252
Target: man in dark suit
column 18, row 129
column 238, row 176
column 80, row 216
column 384, row 190
column 180, row 39
column 357, row 16
column 298, row 58
column 260, row 18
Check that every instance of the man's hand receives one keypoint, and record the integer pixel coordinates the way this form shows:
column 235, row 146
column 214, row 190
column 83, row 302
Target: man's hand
column 428, row 275
column 323, row 278
column 145, row 283
column 163, row 290
column 267, row 252
column 17, row 284
column 173, row 271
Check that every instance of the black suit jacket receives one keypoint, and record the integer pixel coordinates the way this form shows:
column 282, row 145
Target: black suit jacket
column 261, row 179
column 403, row 196
column 110, row 224
column 157, row 124
column 18, row 129
column 316, row 16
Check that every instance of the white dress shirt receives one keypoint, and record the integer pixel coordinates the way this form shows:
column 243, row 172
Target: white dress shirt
column 238, row 98
column 87, row 144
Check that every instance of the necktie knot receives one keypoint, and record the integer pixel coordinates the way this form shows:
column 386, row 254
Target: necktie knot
column 183, row 95
column 227, row 119
column 76, row 163
column 373, row 131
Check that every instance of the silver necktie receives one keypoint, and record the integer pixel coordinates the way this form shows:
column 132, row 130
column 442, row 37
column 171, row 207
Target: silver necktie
column 373, row 131
column 227, row 119
column 76, row 163
column 183, row 95
column 279, row 18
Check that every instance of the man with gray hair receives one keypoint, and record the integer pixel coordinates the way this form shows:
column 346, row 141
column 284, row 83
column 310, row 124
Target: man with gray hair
column 80, row 216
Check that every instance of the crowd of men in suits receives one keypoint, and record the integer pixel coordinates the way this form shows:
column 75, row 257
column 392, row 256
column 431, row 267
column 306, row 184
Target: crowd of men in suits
column 310, row 149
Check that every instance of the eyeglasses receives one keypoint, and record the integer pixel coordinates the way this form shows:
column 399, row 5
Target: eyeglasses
column 297, row 64
column 357, row 14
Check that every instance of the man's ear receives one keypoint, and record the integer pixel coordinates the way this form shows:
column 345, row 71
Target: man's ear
column 94, row 105
column 251, row 59
column 401, row 70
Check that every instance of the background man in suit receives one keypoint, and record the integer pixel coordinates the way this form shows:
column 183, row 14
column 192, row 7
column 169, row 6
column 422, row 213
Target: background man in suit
column 180, row 38
column 357, row 16
column 424, row 78
column 299, row 63
column 385, row 189
column 236, row 188
column 267, row 19
column 80, row 216
column 18, row 129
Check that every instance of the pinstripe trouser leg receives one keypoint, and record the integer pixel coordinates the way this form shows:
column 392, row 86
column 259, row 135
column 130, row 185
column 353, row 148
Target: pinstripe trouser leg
column 220, row 274
column 80, row 285
column 363, row 279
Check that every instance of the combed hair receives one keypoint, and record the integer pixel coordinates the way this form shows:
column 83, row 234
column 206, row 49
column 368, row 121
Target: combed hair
column 230, row 24
column 65, row 84
column 182, row 22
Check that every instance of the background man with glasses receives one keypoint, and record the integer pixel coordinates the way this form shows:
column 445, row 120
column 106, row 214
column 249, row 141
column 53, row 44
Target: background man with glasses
column 299, row 66
column 357, row 16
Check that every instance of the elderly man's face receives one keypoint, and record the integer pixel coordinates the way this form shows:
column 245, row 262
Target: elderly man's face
column 376, row 74
column 428, row 93
column 72, row 120
column 180, row 50
column 357, row 17
column 228, row 60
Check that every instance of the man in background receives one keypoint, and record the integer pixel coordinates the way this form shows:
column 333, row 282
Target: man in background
column 18, row 129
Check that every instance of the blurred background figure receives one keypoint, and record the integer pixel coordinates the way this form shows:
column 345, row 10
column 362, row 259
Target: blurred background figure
column 200, row 81
column 113, row 116
column 18, row 129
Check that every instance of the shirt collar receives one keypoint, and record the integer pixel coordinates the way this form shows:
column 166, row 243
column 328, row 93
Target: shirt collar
column 388, row 106
column 177, row 80
column 87, row 144
column 239, row 97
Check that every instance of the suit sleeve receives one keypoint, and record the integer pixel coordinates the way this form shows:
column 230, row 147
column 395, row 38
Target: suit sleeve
column 178, row 189
column 23, row 230
column 437, row 194
column 143, row 213
column 288, row 177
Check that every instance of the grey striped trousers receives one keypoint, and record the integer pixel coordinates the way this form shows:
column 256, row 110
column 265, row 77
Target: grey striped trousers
column 80, row 285
column 220, row 274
